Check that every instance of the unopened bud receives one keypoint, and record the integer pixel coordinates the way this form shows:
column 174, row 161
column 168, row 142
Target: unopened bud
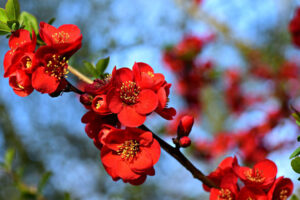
column 86, row 99
column 185, row 141
column 185, row 126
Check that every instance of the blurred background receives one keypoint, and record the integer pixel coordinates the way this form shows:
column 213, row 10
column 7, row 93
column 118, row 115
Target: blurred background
column 47, row 133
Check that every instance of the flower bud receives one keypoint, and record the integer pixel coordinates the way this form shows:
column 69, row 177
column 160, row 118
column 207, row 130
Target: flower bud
column 86, row 99
column 185, row 125
column 185, row 141
column 99, row 105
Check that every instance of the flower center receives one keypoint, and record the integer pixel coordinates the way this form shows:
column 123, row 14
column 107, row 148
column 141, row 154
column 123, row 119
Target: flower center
column 283, row 195
column 129, row 92
column 225, row 194
column 129, row 149
column 254, row 176
column 57, row 66
column 26, row 62
column 60, row 37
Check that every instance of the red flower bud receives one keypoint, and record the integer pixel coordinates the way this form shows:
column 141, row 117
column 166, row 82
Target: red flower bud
column 185, row 141
column 185, row 125
column 86, row 99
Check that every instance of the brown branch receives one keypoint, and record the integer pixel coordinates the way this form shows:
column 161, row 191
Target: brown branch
column 176, row 153
column 81, row 76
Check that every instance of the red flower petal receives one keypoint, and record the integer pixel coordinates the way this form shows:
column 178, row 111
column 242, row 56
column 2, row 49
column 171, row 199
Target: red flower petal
column 155, row 151
column 21, row 83
column 247, row 193
column 268, row 168
column 138, row 181
column 72, row 30
column 148, row 102
column 114, row 102
column 129, row 117
column 145, row 138
column 122, row 75
column 167, row 113
column 19, row 38
column 111, row 160
column 141, row 162
column 43, row 82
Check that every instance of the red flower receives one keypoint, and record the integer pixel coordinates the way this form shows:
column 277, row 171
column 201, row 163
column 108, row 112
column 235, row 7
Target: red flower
column 19, row 60
column 129, row 100
column 21, row 53
column 185, row 125
column 294, row 28
column 262, row 175
column 21, row 83
column 281, row 189
column 254, row 194
column 50, row 67
column 228, row 189
column 147, row 79
column 67, row 37
column 130, row 154
column 224, row 168
column 95, row 122
column 21, row 38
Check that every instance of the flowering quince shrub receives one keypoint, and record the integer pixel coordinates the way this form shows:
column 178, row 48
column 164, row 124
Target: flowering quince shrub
column 119, row 103
column 194, row 76
column 257, row 183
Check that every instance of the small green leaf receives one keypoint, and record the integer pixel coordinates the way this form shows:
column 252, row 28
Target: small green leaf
column 295, row 153
column 12, row 8
column 51, row 20
column 102, row 65
column 13, row 24
column 296, row 164
column 294, row 197
column 43, row 181
column 29, row 21
column 4, row 29
column 3, row 16
column 91, row 69
column 8, row 158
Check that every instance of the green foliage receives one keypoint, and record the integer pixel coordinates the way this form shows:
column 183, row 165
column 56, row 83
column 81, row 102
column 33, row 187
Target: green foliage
column 296, row 164
column 29, row 22
column 295, row 153
column 8, row 159
column 44, row 180
column 3, row 16
column 4, row 29
column 96, row 71
column 102, row 65
column 12, row 9
column 294, row 197
column 67, row 196
column 90, row 68
column 51, row 20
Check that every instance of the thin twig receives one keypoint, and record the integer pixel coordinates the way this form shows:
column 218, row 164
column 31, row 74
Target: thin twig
column 176, row 153
column 81, row 76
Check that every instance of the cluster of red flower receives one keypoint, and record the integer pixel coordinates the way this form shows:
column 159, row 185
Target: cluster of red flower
column 193, row 76
column 45, row 68
column 125, row 98
column 259, row 182
column 251, row 143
